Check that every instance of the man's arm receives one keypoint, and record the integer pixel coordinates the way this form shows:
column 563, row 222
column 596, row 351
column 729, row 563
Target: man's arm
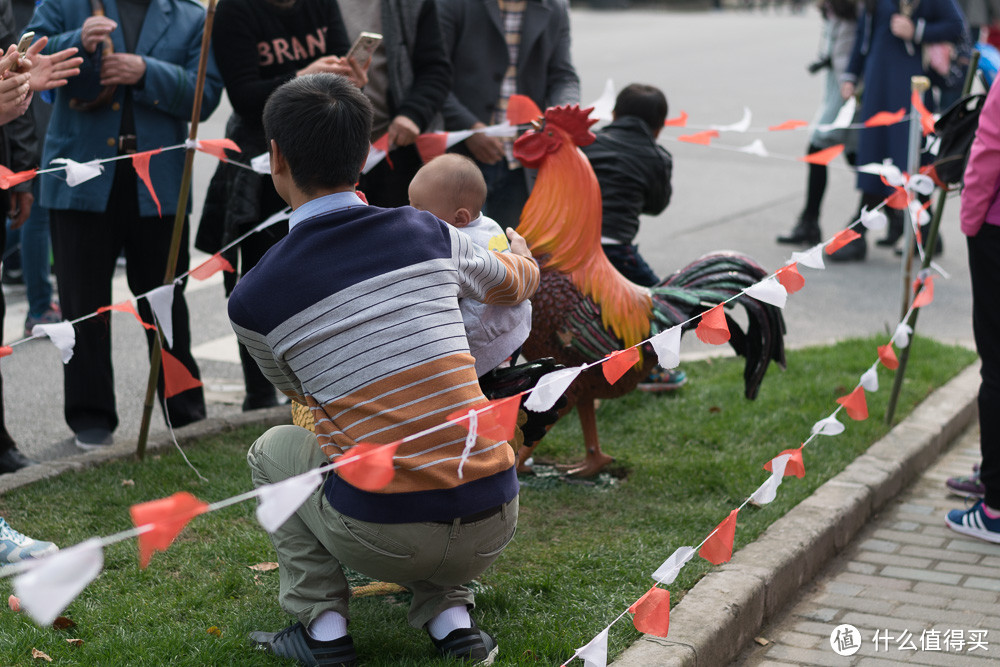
column 562, row 82
column 431, row 70
column 451, row 18
column 658, row 195
column 504, row 279
column 276, row 371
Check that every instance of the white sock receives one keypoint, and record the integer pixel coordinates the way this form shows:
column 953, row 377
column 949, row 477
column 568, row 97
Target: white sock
column 329, row 625
column 450, row 619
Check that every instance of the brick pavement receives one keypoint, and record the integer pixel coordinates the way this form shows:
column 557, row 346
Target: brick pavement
column 905, row 576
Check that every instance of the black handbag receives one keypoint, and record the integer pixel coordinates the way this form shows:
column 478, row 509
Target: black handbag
column 956, row 128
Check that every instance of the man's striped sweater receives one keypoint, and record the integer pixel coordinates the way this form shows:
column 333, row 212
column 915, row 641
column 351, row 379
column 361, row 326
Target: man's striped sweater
column 355, row 313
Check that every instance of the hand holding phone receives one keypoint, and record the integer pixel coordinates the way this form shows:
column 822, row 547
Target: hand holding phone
column 364, row 47
column 22, row 49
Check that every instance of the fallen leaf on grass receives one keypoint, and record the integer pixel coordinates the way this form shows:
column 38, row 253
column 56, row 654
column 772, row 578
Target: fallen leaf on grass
column 263, row 567
column 128, row 482
column 762, row 641
column 714, row 409
column 61, row 623
column 39, row 655
column 75, row 642
column 14, row 603
column 215, row 631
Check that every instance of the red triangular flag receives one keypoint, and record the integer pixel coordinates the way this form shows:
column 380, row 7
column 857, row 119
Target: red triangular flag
column 522, row 109
column 176, row 377
column 885, row 118
column 790, row 278
column 788, row 125
column 855, row 404
column 718, row 548
column 926, row 118
column 703, row 138
column 677, row 121
column 618, row 363
column 382, row 143
column 431, row 144
column 6, row 351
column 127, row 307
column 931, row 170
column 168, row 516
column 9, row 179
column 652, row 612
column 794, row 465
column 887, row 355
column 842, row 238
column 210, row 267
column 218, row 147
column 899, row 199
column 495, row 420
column 825, row 156
column 368, row 467
column 713, row 328
column 140, row 161
column 926, row 295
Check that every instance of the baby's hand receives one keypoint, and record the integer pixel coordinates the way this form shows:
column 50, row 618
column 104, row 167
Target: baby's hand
column 518, row 245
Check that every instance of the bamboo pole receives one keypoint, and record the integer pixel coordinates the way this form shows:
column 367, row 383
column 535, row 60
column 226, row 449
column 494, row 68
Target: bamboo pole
column 930, row 244
column 175, row 241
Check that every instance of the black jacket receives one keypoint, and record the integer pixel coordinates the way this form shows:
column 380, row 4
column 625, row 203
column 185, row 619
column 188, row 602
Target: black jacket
column 634, row 174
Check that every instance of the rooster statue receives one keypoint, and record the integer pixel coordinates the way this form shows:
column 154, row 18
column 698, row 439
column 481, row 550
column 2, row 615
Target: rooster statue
column 585, row 309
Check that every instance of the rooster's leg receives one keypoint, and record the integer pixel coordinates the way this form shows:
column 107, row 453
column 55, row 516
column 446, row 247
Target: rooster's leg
column 596, row 460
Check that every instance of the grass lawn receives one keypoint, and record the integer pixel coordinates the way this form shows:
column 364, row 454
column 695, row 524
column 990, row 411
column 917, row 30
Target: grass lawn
column 584, row 550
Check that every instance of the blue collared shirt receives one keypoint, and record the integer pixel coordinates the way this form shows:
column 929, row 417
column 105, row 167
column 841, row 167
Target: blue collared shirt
column 322, row 205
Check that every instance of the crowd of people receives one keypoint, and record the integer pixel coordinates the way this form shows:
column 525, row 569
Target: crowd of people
column 426, row 268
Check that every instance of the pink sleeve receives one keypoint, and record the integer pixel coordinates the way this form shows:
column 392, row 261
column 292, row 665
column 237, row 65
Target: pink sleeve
column 982, row 175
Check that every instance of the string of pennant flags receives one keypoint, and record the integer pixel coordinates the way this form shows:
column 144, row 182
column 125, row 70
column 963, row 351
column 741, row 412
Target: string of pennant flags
column 47, row 586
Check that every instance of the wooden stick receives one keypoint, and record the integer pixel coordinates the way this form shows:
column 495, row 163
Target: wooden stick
column 175, row 241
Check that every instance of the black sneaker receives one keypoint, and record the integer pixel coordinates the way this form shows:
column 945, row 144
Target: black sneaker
column 13, row 460
column 471, row 645
column 294, row 642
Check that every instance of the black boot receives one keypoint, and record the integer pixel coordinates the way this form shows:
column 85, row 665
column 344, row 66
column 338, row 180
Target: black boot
column 894, row 230
column 806, row 232
column 855, row 251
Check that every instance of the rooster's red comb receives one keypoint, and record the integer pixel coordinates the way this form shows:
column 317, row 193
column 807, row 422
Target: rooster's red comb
column 574, row 120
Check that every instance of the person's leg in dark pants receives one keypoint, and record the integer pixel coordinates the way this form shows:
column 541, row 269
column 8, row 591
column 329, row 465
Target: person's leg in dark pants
column 387, row 186
column 85, row 249
column 984, row 268
column 147, row 245
column 626, row 258
column 806, row 230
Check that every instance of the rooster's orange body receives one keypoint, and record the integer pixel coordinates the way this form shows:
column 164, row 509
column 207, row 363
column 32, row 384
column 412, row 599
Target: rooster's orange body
column 585, row 309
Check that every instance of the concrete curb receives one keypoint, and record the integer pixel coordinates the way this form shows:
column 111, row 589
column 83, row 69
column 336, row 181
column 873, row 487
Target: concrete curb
column 728, row 607
column 124, row 450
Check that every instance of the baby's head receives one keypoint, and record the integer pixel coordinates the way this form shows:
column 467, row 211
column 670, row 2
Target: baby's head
column 451, row 187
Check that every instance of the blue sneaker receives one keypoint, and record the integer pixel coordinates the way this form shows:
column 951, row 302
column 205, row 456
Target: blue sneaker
column 661, row 379
column 974, row 523
column 15, row 547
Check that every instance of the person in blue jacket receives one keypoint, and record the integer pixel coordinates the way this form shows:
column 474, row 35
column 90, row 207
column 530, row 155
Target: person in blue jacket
column 137, row 96
column 887, row 53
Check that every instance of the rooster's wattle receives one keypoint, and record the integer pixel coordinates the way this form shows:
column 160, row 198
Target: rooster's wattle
column 585, row 309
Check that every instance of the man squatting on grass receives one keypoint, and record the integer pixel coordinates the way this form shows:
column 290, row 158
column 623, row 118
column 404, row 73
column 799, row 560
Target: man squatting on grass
column 355, row 314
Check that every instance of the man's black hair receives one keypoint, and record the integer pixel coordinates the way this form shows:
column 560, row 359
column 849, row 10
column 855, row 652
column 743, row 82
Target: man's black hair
column 321, row 123
column 645, row 102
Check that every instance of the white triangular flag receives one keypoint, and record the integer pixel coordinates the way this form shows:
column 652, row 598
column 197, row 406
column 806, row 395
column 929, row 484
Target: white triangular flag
column 813, row 258
column 262, row 163
column 470, row 440
column 869, row 380
column 844, row 117
column 893, row 176
column 767, row 491
column 918, row 213
column 921, row 184
column 375, row 155
column 62, row 335
column 280, row 500
column 901, row 337
column 550, row 387
column 667, row 572
column 741, row 126
column 828, row 426
column 79, row 172
column 161, row 300
column 756, row 148
column 605, row 104
column 48, row 587
column 503, row 129
column 769, row 291
column 456, row 137
column 873, row 220
column 595, row 653
column 667, row 345
column 274, row 218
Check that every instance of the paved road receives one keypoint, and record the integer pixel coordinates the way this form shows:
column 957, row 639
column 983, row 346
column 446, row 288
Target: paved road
column 712, row 65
